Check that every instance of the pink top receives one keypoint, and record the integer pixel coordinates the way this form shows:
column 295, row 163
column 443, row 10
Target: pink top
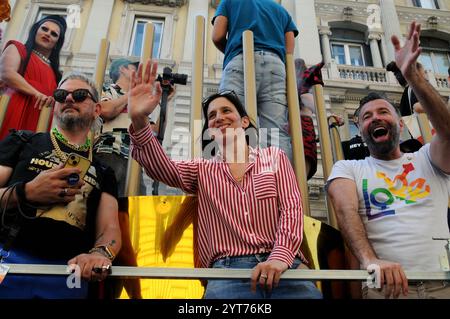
column 261, row 215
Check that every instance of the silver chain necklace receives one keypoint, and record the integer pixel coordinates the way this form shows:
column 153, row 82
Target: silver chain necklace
column 43, row 57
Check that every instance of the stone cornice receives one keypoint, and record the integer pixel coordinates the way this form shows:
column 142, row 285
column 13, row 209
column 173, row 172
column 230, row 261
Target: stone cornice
column 408, row 14
column 168, row 3
column 336, row 8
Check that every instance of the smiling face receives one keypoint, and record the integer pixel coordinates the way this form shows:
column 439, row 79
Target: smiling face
column 380, row 127
column 73, row 115
column 47, row 36
column 223, row 115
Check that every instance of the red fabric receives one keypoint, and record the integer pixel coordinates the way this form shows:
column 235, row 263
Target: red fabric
column 21, row 113
column 309, row 143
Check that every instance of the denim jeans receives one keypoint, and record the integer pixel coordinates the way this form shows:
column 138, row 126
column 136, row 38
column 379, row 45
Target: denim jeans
column 270, row 75
column 38, row 286
column 240, row 289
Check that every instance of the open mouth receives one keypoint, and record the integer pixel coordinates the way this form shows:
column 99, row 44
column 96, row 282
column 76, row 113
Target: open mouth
column 379, row 132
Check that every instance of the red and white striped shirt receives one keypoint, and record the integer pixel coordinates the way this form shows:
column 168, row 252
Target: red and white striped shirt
column 261, row 215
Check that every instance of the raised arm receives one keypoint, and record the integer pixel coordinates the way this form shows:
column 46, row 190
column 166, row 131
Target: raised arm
column 343, row 195
column 111, row 108
column 289, row 39
column 144, row 96
column 219, row 34
column 437, row 111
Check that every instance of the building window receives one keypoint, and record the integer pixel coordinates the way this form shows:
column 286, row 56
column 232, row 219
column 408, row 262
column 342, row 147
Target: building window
column 348, row 45
column 435, row 56
column 436, row 62
column 138, row 36
column 47, row 12
column 346, row 53
column 427, row 4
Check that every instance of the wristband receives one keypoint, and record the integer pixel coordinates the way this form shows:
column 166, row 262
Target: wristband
column 104, row 250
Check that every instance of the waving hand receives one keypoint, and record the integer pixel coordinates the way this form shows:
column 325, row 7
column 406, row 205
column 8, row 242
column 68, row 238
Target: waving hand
column 144, row 94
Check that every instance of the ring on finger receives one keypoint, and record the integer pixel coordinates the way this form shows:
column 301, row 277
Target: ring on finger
column 63, row 192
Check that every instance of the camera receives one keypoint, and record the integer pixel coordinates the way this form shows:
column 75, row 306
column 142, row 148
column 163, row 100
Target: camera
column 168, row 78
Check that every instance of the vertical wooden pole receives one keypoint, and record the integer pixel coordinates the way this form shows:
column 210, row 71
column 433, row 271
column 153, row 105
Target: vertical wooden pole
column 296, row 132
column 134, row 170
column 325, row 146
column 4, row 100
column 197, row 86
column 249, row 75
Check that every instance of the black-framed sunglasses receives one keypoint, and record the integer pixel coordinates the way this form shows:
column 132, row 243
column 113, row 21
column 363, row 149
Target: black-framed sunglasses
column 214, row 96
column 78, row 95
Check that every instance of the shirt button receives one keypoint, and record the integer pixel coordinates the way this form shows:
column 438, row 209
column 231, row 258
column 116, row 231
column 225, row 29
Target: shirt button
column 246, row 213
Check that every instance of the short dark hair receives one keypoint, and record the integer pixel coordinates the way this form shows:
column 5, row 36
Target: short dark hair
column 234, row 99
column 371, row 97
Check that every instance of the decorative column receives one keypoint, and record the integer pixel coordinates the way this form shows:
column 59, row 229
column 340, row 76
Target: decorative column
column 97, row 26
column 325, row 33
column 375, row 50
column 196, row 7
column 391, row 26
column 308, row 39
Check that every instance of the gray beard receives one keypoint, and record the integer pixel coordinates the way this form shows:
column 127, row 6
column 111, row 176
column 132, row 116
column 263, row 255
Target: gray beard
column 383, row 148
column 73, row 123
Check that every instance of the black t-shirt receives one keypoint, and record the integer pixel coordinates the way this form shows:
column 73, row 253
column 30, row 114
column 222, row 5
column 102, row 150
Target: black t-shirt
column 62, row 232
column 355, row 149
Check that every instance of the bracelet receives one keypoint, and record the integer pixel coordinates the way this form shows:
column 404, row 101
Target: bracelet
column 103, row 250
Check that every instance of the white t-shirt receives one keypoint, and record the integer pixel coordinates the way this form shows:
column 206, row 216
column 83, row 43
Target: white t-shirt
column 403, row 204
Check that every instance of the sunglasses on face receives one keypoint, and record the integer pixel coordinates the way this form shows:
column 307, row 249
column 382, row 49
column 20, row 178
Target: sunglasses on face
column 52, row 33
column 78, row 95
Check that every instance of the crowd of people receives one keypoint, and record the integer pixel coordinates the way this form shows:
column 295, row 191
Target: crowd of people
column 246, row 203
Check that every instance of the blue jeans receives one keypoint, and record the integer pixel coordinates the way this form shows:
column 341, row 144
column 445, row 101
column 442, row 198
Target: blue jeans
column 38, row 286
column 240, row 289
column 270, row 75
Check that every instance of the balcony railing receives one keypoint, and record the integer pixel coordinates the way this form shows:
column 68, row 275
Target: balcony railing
column 362, row 73
column 441, row 81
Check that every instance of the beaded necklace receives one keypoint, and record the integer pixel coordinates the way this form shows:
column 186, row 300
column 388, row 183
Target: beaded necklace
column 83, row 148
column 43, row 57
column 62, row 155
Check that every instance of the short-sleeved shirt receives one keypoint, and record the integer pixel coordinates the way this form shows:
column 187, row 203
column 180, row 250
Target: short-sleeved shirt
column 116, row 140
column 268, row 21
column 61, row 231
column 403, row 205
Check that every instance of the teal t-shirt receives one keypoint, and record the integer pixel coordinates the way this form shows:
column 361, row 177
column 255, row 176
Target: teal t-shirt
column 268, row 20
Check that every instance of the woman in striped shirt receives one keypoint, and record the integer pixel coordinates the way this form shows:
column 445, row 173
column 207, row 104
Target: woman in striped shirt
column 250, row 212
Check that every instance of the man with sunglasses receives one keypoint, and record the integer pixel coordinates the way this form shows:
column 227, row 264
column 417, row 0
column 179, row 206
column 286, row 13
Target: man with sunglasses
column 49, row 215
